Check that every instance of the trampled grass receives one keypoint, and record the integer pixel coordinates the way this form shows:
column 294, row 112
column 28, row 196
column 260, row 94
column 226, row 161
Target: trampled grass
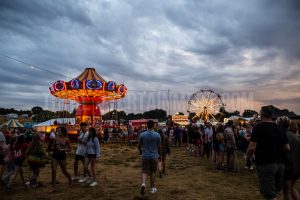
column 119, row 172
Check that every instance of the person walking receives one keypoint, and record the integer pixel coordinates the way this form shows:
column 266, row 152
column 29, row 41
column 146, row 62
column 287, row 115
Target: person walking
column 81, row 151
column 93, row 154
column 19, row 154
column 165, row 150
column 149, row 147
column 35, row 154
column 60, row 146
column 269, row 143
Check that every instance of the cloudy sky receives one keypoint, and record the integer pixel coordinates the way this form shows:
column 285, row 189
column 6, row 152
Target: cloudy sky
column 248, row 51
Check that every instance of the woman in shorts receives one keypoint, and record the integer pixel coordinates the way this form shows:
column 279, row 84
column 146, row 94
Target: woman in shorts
column 60, row 146
column 93, row 154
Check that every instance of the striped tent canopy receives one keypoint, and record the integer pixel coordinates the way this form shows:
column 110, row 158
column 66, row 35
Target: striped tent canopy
column 12, row 123
column 90, row 74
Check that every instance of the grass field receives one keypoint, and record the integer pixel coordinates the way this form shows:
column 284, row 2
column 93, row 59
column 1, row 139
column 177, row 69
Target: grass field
column 119, row 173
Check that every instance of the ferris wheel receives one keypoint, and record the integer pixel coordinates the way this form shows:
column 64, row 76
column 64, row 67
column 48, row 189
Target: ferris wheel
column 205, row 104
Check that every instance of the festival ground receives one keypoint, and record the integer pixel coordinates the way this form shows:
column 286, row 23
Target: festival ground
column 119, row 170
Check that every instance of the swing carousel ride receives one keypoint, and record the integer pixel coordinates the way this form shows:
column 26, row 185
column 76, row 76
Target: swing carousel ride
column 205, row 104
column 89, row 89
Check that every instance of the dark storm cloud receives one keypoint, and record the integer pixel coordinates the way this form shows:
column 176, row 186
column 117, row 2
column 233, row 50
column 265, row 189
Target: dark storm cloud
column 148, row 45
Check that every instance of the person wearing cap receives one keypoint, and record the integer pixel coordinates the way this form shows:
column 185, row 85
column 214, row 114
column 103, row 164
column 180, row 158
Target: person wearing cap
column 269, row 143
column 81, row 152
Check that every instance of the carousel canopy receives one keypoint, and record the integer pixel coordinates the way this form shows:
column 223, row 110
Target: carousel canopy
column 12, row 123
column 88, row 88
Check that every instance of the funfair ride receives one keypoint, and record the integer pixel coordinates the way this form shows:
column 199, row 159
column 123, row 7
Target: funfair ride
column 89, row 89
column 205, row 104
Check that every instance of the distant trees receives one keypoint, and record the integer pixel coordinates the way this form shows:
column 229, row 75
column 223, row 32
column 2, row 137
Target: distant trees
column 151, row 114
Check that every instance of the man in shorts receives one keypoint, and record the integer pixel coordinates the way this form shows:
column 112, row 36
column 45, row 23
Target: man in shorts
column 81, row 151
column 150, row 147
column 269, row 143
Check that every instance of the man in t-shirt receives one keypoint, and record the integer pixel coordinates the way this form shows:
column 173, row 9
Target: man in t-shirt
column 81, row 151
column 269, row 143
column 209, row 134
column 150, row 147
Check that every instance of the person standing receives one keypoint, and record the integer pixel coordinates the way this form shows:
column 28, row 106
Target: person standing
column 2, row 155
column 177, row 136
column 81, row 151
column 269, row 143
column 93, row 154
column 230, row 145
column 220, row 147
column 292, row 165
column 209, row 134
column 150, row 147
column 165, row 150
column 35, row 154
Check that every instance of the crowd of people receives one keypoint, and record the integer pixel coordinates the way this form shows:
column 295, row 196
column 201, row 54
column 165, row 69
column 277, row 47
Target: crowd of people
column 271, row 148
column 18, row 148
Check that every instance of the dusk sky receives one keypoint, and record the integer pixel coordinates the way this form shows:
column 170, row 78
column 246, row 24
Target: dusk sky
column 248, row 51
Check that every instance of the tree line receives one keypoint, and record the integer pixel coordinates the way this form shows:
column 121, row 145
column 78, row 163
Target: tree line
column 38, row 114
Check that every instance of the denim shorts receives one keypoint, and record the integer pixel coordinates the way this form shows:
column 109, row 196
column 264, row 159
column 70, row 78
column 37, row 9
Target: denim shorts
column 270, row 179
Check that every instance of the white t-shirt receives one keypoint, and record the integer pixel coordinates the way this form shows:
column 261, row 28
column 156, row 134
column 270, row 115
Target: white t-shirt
column 52, row 135
column 81, row 148
column 209, row 132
